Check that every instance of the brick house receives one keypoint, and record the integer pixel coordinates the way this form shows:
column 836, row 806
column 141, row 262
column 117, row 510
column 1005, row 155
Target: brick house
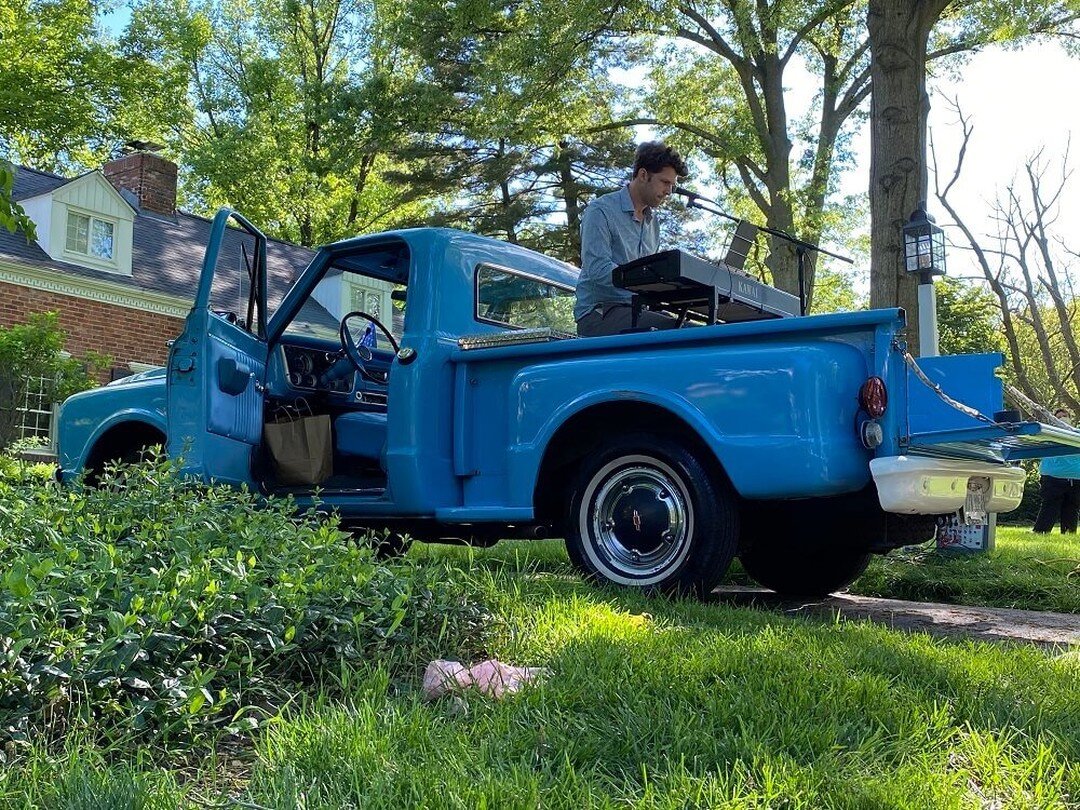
column 120, row 264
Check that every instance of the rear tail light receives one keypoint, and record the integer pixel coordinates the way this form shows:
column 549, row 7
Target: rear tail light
column 873, row 397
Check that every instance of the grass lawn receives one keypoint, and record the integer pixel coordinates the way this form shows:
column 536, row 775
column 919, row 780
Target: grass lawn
column 1026, row 570
column 664, row 704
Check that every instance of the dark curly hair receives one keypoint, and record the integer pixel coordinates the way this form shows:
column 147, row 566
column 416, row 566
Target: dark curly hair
column 653, row 156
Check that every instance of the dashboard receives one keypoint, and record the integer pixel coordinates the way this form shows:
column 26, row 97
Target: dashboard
column 305, row 367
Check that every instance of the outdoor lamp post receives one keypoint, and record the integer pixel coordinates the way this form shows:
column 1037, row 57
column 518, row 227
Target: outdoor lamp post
column 924, row 253
column 972, row 528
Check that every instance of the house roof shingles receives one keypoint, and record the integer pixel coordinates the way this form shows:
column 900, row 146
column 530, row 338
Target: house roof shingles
column 167, row 251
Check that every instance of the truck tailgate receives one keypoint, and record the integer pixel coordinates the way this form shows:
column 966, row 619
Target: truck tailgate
column 963, row 428
column 999, row 442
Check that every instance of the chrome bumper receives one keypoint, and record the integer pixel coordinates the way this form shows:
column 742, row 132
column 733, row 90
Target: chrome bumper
column 914, row 485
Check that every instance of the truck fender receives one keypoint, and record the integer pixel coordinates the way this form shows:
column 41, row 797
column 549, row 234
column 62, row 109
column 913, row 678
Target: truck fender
column 678, row 407
column 130, row 415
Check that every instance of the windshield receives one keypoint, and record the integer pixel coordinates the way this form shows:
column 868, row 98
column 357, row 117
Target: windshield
column 345, row 289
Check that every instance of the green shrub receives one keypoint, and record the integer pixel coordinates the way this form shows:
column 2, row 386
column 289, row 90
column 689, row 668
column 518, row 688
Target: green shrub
column 159, row 608
column 17, row 469
column 21, row 471
column 35, row 349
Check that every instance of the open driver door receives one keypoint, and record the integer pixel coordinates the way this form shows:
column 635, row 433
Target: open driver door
column 217, row 366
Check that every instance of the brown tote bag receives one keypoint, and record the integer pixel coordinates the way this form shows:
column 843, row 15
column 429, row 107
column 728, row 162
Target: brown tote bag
column 300, row 445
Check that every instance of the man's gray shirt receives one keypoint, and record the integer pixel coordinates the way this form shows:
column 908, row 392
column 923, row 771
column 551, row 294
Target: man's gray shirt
column 611, row 236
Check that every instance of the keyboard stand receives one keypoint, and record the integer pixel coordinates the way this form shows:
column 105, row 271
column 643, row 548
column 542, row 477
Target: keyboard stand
column 671, row 299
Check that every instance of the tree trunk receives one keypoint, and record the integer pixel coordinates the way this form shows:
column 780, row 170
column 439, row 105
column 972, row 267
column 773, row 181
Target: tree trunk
column 776, row 143
column 506, row 199
column 899, row 30
column 569, row 188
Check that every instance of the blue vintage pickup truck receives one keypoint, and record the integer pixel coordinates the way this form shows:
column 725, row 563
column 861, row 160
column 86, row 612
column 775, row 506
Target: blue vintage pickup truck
column 463, row 409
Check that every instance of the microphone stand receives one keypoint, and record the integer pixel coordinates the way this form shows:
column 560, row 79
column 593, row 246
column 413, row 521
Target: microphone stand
column 695, row 200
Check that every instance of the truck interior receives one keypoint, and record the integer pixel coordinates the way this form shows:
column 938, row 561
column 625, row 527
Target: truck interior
column 333, row 360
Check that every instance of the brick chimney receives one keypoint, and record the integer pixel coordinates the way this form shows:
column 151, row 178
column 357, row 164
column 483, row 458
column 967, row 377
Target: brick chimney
column 149, row 176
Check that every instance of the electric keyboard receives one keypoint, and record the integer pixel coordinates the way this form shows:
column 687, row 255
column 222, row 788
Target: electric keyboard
column 684, row 284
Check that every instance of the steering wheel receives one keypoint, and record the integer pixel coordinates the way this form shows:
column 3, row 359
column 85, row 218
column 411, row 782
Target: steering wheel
column 359, row 355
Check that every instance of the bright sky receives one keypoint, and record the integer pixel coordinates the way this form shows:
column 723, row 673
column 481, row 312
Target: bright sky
column 1018, row 101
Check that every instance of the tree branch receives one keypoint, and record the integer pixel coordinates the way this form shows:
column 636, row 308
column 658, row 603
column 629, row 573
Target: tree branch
column 656, row 122
column 721, row 45
column 812, row 24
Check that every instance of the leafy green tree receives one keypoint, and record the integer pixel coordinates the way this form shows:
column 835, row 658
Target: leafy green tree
column 299, row 107
column 834, row 292
column 734, row 76
column 968, row 318
column 521, row 147
column 730, row 63
column 530, row 195
column 12, row 215
column 68, row 93
column 35, row 350
column 720, row 82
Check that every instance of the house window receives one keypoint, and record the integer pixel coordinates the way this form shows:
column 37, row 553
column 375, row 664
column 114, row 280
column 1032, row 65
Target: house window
column 365, row 300
column 35, row 413
column 89, row 236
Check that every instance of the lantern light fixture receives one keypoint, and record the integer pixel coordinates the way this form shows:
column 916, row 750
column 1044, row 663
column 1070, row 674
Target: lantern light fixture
column 924, row 246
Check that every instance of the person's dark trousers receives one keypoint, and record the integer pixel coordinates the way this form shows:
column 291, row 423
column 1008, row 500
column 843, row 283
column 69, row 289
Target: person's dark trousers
column 1060, row 500
column 613, row 319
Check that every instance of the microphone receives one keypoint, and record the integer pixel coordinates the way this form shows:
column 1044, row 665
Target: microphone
column 682, row 192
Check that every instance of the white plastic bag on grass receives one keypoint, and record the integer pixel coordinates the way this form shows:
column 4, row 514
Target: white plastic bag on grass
column 491, row 677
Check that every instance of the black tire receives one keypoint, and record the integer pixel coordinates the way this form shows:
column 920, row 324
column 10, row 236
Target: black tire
column 645, row 513
column 131, row 454
column 807, row 549
column 810, row 570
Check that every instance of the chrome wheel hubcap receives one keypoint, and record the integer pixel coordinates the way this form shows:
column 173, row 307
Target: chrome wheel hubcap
column 640, row 521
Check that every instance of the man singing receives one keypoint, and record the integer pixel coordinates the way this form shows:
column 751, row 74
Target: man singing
column 617, row 228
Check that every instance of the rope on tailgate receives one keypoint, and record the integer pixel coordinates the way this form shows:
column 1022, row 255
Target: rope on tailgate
column 1019, row 398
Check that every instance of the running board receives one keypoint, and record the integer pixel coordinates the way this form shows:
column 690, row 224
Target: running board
column 307, row 492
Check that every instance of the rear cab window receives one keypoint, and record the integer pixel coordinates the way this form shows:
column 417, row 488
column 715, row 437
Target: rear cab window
column 516, row 300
